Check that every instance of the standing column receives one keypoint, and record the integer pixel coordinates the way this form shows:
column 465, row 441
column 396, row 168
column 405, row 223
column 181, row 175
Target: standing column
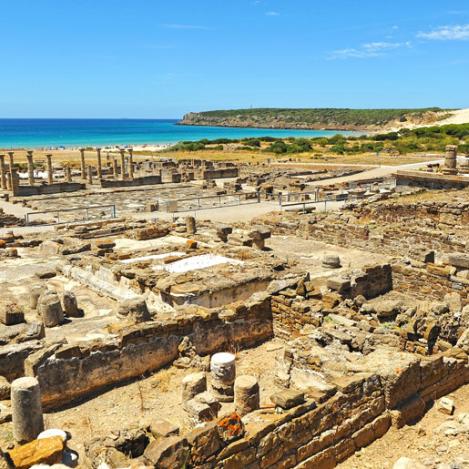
column 50, row 178
column 100, row 169
column 29, row 156
column 68, row 173
column 3, row 179
column 114, row 167
column 82, row 163
column 90, row 174
column 26, row 409
column 451, row 159
column 10, row 167
column 123, row 165
column 131, row 163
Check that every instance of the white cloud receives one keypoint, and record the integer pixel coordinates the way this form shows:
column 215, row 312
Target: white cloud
column 272, row 13
column 369, row 50
column 447, row 33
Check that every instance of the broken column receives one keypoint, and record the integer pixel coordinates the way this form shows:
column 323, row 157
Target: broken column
column 3, row 177
column 82, row 163
column 70, row 305
column 246, row 394
column 258, row 235
column 14, row 182
column 100, row 167
column 331, row 261
column 192, row 385
column 131, row 163
column 50, row 178
column 68, row 173
column 90, row 174
column 10, row 168
column 451, row 159
column 29, row 156
column 223, row 231
column 123, row 165
column 191, row 225
column 26, row 409
column 223, row 373
column 50, row 309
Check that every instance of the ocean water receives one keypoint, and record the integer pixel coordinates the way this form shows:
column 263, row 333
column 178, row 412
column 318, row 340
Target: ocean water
column 53, row 133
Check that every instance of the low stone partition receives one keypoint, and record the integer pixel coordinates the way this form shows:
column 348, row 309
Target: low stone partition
column 68, row 372
column 220, row 173
column 430, row 180
column 141, row 181
column 45, row 189
column 320, row 432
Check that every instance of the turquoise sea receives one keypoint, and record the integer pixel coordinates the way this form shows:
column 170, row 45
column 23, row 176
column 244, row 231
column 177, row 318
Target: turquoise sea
column 53, row 133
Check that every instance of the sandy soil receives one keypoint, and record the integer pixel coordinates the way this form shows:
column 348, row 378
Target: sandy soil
column 422, row 442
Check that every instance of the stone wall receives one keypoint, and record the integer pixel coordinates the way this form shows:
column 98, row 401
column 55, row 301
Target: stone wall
column 322, row 432
column 141, row 181
column 430, row 180
column 49, row 189
column 69, row 372
column 220, row 173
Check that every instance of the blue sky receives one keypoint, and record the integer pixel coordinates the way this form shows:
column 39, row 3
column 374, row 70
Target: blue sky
column 155, row 58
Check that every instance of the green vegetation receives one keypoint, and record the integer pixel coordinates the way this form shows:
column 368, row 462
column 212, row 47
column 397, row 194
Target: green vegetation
column 420, row 140
column 314, row 118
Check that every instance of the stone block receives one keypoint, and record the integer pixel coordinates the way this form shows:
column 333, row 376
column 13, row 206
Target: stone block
column 446, row 406
column 287, row 399
column 168, row 453
column 4, row 389
column 11, row 314
column 44, row 451
column 459, row 260
column 163, row 429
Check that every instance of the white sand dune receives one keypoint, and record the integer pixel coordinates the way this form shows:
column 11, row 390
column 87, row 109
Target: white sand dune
column 457, row 117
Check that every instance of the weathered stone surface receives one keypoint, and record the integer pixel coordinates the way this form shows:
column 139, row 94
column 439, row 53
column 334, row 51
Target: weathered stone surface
column 45, row 451
column 50, row 309
column 70, row 305
column 135, row 310
column 287, row 399
column 446, row 406
column 192, row 385
column 11, row 314
column 4, row 389
column 168, row 453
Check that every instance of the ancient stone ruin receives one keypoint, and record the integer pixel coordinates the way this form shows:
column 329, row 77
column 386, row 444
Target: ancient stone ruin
column 180, row 334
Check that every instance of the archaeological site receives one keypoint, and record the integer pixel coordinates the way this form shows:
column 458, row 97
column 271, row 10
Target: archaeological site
column 190, row 313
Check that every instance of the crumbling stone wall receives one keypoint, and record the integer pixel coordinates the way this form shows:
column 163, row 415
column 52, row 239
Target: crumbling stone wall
column 324, row 431
column 68, row 372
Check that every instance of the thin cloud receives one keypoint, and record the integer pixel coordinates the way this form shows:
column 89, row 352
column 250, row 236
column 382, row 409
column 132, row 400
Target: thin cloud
column 185, row 26
column 272, row 13
column 447, row 33
column 368, row 51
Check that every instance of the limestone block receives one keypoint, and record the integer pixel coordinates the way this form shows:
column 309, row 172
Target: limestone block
column 287, row 399
column 45, row 451
column 446, row 406
column 163, row 428
column 4, row 389
column 192, row 385
column 459, row 260
column 339, row 284
column 331, row 262
column 11, row 314
column 134, row 309
column 168, row 453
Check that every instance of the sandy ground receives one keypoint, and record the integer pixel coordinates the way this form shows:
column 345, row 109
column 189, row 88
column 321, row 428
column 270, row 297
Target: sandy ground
column 157, row 396
column 422, row 442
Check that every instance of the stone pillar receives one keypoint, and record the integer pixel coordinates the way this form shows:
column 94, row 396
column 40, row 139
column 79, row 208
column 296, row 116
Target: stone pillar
column 82, row 163
column 68, row 173
column 14, row 182
column 50, row 309
column 50, row 178
column 114, row 168
column 191, row 225
column 223, row 373
column 451, row 158
column 29, row 156
column 246, row 394
column 100, row 167
column 131, row 163
column 26, row 409
column 123, row 165
column 90, row 174
column 3, row 177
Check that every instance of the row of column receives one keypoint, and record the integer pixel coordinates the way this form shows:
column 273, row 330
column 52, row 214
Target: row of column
column 7, row 178
column 88, row 175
